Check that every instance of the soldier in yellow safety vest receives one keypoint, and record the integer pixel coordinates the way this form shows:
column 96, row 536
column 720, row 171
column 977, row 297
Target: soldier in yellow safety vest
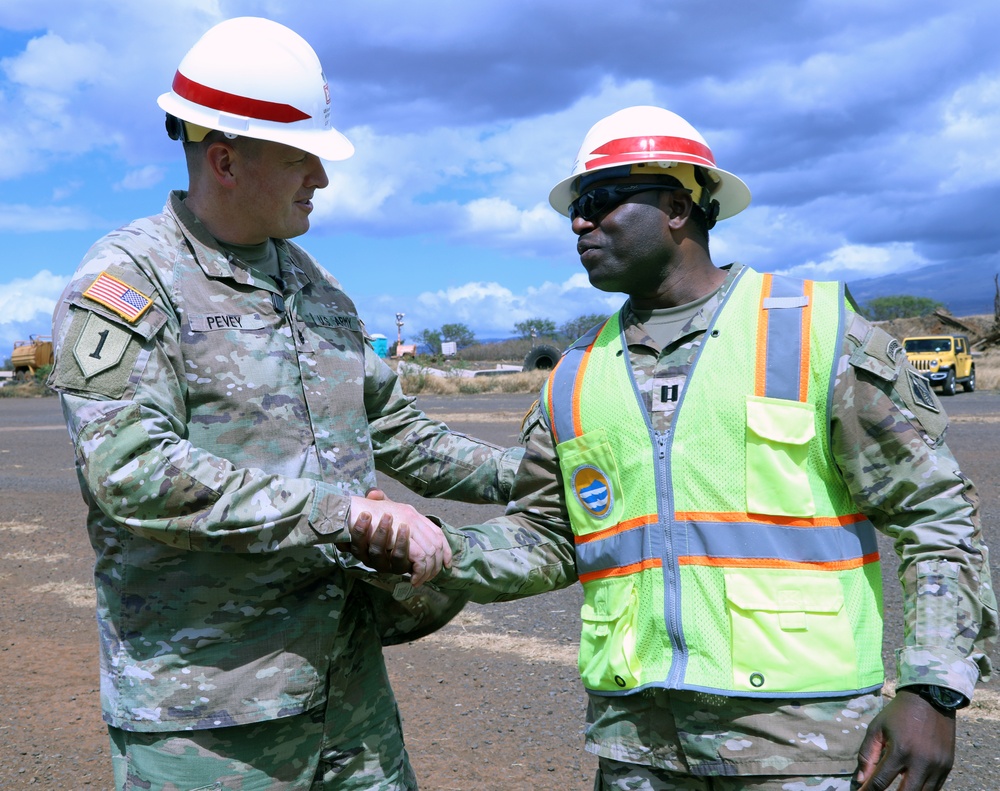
column 712, row 463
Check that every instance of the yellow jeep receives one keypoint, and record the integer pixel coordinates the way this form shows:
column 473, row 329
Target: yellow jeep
column 944, row 360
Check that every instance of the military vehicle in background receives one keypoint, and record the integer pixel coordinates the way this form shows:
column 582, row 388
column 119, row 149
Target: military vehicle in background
column 30, row 355
column 944, row 360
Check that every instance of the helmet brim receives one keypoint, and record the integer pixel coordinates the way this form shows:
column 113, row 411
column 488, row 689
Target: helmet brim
column 327, row 144
column 732, row 193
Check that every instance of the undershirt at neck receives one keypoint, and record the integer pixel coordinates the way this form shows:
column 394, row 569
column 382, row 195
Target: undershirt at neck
column 259, row 259
column 664, row 324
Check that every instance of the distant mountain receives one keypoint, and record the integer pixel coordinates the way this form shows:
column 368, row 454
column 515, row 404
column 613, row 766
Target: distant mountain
column 966, row 288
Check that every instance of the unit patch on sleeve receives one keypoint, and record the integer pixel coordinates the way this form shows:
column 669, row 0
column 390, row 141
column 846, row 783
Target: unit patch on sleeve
column 100, row 346
column 923, row 394
column 120, row 297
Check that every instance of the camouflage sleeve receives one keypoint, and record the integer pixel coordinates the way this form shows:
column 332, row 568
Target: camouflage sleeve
column 139, row 469
column 887, row 430
column 530, row 549
column 424, row 454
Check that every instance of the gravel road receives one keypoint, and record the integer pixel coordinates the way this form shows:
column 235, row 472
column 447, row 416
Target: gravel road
column 492, row 701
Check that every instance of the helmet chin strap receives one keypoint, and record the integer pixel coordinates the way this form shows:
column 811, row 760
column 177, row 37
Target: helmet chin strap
column 706, row 202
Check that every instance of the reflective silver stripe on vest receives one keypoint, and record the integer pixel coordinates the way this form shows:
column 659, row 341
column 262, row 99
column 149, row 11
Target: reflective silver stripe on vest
column 736, row 541
column 562, row 383
column 784, row 309
column 620, row 549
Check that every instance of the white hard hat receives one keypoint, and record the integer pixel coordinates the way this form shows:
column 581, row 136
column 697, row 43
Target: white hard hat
column 655, row 142
column 256, row 78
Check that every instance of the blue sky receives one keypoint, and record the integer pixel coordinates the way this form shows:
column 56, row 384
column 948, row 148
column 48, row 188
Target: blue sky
column 868, row 132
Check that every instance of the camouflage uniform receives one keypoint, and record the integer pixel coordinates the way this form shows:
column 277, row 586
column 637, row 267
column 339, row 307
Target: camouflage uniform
column 887, row 439
column 219, row 437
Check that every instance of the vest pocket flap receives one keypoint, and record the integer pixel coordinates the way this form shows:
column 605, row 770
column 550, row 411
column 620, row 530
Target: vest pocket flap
column 607, row 600
column 778, row 420
column 784, row 593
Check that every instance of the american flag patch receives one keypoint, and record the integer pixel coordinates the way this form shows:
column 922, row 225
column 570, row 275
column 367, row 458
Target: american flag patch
column 118, row 296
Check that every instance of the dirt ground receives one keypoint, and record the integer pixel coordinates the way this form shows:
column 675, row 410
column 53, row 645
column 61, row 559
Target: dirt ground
column 492, row 701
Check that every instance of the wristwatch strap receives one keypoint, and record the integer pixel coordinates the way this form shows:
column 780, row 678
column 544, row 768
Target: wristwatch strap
column 942, row 698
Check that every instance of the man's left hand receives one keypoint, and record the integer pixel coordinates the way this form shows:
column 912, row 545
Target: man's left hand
column 376, row 547
column 910, row 739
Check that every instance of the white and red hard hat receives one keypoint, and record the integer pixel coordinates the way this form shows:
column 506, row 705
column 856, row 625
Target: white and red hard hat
column 655, row 142
column 252, row 77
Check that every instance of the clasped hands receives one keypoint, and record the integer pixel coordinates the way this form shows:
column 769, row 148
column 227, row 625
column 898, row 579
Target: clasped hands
column 394, row 537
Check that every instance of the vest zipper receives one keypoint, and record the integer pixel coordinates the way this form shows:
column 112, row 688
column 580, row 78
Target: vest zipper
column 671, row 587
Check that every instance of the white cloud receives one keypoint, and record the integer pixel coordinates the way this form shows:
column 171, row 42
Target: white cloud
column 30, row 300
column 464, row 116
column 969, row 139
column 18, row 218
column 486, row 184
column 491, row 309
column 49, row 63
column 853, row 261
column 504, row 222
column 142, row 178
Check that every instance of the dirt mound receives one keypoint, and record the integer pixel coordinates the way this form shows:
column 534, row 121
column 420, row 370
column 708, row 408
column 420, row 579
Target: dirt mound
column 977, row 328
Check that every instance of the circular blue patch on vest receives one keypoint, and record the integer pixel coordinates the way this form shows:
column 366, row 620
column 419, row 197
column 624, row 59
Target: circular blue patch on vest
column 593, row 491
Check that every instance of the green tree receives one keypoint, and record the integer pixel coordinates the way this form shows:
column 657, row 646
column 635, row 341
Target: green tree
column 574, row 328
column 459, row 333
column 432, row 338
column 903, row 306
column 541, row 327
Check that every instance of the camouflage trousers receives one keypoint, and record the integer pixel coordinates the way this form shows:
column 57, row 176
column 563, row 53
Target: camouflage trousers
column 353, row 743
column 618, row 776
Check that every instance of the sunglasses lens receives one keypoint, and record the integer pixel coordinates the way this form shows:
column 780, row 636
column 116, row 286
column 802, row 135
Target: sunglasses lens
column 590, row 204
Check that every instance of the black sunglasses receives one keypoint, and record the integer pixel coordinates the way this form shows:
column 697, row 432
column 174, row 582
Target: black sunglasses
column 601, row 199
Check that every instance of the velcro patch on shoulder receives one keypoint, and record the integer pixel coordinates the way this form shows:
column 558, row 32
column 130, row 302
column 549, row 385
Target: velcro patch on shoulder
column 879, row 354
column 118, row 296
column 144, row 321
column 101, row 345
column 530, row 420
column 922, row 392
column 98, row 355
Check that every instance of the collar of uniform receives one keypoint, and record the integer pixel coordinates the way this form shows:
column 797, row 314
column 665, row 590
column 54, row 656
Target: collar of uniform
column 213, row 261
column 291, row 256
column 635, row 332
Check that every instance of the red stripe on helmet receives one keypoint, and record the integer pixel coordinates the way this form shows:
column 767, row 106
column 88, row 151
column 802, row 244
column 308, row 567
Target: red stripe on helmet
column 629, row 149
column 237, row 105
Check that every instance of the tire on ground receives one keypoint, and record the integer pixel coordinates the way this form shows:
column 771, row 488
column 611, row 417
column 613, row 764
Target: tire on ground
column 948, row 388
column 541, row 358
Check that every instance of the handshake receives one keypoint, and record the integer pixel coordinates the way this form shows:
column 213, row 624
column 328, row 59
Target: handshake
column 395, row 538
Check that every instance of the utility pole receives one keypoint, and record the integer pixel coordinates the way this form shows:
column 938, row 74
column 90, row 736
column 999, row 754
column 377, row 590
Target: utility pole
column 399, row 329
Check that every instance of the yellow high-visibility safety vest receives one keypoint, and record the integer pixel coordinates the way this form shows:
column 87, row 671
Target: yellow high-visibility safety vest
column 725, row 555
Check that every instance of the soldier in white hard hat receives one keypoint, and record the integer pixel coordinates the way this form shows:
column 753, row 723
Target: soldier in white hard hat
column 227, row 407
column 713, row 464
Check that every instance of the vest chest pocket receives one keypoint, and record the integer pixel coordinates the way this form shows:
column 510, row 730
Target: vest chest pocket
column 608, row 657
column 777, row 452
column 790, row 632
column 594, row 496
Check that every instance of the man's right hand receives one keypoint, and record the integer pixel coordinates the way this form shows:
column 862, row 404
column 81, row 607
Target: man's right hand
column 418, row 546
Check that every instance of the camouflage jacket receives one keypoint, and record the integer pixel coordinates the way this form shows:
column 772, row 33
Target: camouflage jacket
column 887, row 438
column 219, row 436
